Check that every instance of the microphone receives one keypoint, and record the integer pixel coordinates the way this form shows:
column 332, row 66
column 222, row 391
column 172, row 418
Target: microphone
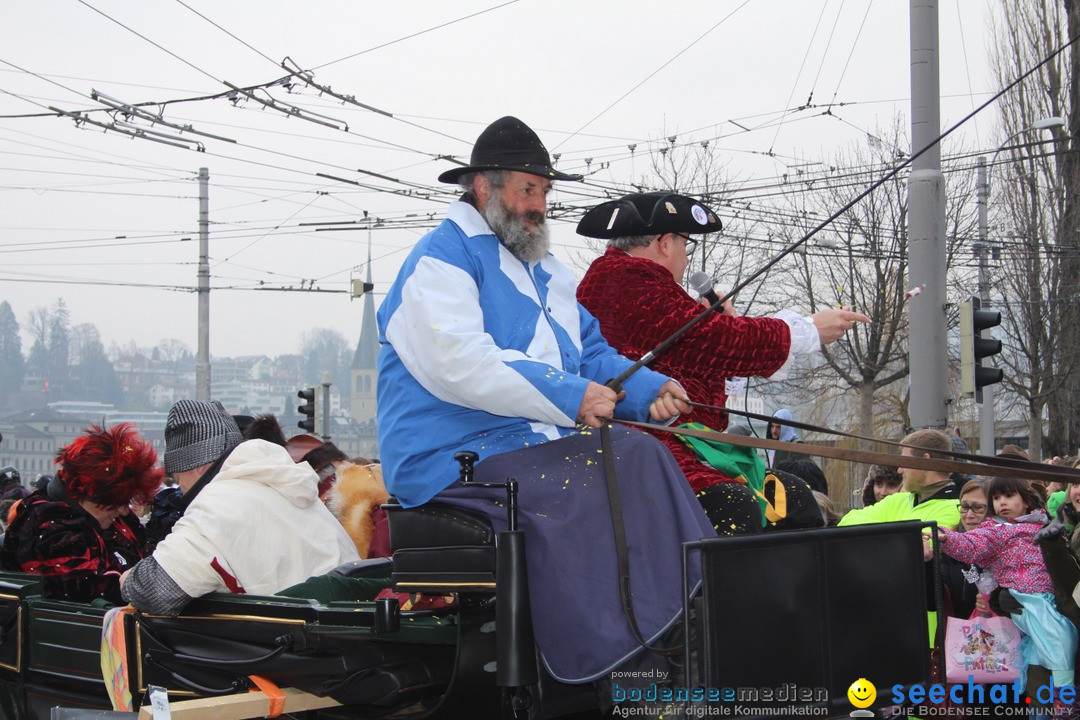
column 703, row 286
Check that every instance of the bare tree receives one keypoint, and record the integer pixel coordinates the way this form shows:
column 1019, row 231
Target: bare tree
column 37, row 323
column 326, row 350
column 695, row 168
column 174, row 352
column 859, row 261
column 1035, row 198
column 85, row 339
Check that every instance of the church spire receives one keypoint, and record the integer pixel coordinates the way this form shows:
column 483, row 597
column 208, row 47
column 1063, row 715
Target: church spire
column 367, row 349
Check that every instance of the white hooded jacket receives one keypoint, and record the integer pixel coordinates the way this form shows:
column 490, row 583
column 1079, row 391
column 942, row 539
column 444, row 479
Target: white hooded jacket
column 257, row 527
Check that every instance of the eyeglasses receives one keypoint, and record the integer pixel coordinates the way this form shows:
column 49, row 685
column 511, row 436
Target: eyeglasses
column 691, row 243
column 977, row 508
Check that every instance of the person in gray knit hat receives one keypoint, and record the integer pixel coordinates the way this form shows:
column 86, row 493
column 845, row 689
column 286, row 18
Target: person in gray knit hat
column 198, row 437
column 198, row 433
column 250, row 518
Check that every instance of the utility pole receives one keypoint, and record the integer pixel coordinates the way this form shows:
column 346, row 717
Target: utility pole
column 926, row 228
column 986, row 408
column 326, row 406
column 202, row 368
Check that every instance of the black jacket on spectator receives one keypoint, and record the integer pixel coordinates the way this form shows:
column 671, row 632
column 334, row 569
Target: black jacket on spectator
column 54, row 537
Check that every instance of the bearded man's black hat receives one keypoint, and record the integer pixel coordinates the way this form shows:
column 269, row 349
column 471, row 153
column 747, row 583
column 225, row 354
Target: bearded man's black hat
column 509, row 144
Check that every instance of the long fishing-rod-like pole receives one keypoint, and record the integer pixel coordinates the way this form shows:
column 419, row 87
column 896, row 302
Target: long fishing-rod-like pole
column 617, row 382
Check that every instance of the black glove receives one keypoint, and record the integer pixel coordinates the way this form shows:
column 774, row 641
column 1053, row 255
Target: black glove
column 1066, row 515
column 1069, row 512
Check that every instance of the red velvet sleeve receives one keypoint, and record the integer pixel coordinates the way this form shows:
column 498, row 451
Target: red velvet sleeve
column 638, row 305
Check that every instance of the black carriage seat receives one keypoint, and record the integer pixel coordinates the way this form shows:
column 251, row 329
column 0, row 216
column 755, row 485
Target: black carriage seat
column 440, row 548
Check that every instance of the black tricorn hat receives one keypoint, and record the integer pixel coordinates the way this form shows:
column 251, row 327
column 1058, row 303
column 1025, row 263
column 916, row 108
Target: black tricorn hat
column 653, row 213
column 509, row 144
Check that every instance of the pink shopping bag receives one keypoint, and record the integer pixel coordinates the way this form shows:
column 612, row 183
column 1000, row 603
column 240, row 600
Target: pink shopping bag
column 987, row 648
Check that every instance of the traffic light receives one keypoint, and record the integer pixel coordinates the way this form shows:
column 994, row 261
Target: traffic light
column 308, row 409
column 974, row 347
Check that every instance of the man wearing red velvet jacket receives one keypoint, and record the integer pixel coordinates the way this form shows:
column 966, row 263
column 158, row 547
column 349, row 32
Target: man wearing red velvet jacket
column 634, row 291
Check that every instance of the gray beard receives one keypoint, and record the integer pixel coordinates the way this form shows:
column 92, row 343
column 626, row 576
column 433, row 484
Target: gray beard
column 530, row 245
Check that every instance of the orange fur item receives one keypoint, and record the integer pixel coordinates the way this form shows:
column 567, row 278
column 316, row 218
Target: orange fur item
column 357, row 492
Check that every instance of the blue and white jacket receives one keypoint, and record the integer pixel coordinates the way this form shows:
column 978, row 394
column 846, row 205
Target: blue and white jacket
column 483, row 352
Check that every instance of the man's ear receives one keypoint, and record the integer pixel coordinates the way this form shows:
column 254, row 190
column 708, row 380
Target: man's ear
column 664, row 244
column 481, row 188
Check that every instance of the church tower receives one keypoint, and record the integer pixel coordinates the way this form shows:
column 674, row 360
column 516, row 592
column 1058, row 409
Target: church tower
column 362, row 372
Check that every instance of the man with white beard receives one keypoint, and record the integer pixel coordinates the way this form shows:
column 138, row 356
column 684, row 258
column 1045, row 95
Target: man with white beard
column 485, row 348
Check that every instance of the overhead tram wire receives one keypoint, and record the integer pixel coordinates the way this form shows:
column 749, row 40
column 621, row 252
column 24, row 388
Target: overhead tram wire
column 234, row 37
column 377, row 189
column 39, row 77
column 69, row 158
column 652, row 74
column 825, row 52
column 254, row 286
column 432, row 191
column 415, row 34
column 305, row 76
column 58, row 112
column 181, row 59
column 249, row 146
column 851, row 53
column 264, row 235
column 599, row 153
column 268, row 84
column 967, row 67
column 109, row 82
column 650, row 355
column 108, row 17
column 98, row 192
column 79, row 174
column 106, row 283
column 798, row 75
column 109, row 263
column 142, row 166
column 134, row 240
column 732, row 198
column 623, row 154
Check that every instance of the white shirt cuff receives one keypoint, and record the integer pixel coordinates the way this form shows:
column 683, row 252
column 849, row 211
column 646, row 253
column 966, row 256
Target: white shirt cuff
column 804, row 339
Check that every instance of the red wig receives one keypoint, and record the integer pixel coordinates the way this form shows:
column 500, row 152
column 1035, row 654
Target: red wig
column 110, row 467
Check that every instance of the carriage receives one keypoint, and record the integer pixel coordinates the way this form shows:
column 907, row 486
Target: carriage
column 781, row 619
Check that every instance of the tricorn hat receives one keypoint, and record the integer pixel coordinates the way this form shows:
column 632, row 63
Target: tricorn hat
column 509, row 144
column 652, row 213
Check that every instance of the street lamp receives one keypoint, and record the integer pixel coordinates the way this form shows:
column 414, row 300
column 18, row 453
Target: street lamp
column 986, row 409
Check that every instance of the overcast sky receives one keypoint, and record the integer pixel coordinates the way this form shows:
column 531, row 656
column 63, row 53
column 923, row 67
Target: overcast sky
column 103, row 220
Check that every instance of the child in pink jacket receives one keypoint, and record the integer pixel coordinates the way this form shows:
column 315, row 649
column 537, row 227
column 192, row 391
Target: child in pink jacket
column 1005, row 545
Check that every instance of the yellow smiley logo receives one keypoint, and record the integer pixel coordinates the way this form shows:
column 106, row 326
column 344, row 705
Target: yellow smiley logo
column 862, row 693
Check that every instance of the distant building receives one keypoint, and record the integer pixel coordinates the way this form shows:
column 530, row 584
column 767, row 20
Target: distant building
column 161, row 396
column 83, row 408
column 32, row 439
